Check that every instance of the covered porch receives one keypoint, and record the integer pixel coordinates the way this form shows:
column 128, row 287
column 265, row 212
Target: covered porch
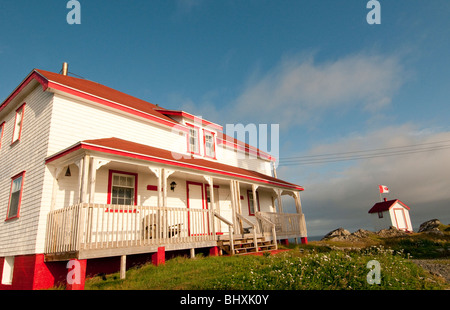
column 110, row 200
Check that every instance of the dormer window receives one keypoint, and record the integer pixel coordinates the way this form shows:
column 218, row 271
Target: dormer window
column 193, row 141
column 210, row 148
column 18, row 124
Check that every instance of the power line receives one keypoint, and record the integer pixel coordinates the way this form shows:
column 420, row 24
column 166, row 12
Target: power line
column 362, row 154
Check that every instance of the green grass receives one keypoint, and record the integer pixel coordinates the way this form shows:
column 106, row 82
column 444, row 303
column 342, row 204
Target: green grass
column 302, row 268
column 319, row 265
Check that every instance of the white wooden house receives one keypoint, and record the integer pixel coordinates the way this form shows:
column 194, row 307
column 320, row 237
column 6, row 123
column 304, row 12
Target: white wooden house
column 391, row 213
column 88, row 172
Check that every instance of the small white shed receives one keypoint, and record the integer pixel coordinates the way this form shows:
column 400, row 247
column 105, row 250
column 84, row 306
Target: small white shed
column 391, row 213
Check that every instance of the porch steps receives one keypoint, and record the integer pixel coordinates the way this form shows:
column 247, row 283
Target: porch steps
column 245, row 244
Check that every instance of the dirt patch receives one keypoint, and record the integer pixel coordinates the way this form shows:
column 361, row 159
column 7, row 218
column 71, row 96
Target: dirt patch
column 439, row 267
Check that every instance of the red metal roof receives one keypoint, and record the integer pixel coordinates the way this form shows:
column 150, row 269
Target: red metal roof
column 126, row 148
column 386, row 205
column 92, row 90
column 105, row 92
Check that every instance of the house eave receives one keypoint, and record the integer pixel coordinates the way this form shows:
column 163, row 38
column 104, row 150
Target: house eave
column 101, row 149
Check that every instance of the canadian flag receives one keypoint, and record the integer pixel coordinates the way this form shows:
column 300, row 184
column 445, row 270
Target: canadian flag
column 383, row 189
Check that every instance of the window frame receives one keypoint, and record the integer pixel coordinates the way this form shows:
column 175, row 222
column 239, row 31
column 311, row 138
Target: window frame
column 15, row 128
column 110, row 184
column 197, row 129
column 2, row 129
column 212, row 134
column 17, row 215
column 7, row 270
column 249, row 191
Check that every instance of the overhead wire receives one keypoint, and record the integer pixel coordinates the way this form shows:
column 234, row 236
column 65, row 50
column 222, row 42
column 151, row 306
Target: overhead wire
column 363, row 154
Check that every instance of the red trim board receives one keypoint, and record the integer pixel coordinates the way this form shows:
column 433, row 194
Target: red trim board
column 172, row 162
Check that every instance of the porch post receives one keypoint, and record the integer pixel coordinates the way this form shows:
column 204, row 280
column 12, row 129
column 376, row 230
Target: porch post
column 212, row 204
column 238, row 197
column 157, row 172
column 123, row 266
column 280, row 203
column 298, row 206
column 233, row 202
column 57, row 174
column 83, row 177
column 92, row 180
column 255, row 200
column 162, row 188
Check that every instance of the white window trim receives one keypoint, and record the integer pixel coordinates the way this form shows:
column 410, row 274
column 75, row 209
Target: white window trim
column 8, row 270
column 18, row 124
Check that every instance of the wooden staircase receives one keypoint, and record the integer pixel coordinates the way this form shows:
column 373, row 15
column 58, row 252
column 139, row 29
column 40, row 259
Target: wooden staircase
column 244, row 244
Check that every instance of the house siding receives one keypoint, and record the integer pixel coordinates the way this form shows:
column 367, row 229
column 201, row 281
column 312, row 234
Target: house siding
column 53, row 122
column 74, row 120
column 18, row 236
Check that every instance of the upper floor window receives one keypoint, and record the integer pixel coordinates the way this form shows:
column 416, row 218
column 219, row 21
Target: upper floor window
column 15, row 196
column 2, row 126
column 210, row 148
column 193, row 141
column 18, row 124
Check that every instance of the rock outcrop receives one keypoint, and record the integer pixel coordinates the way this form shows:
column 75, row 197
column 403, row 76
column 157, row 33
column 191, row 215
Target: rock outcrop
column 341, row 234
column 431, row 226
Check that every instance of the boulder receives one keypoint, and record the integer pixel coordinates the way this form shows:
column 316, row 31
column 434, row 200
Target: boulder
column 339, row 233
column 391, row 232
column 362, row 233
column 430, row 226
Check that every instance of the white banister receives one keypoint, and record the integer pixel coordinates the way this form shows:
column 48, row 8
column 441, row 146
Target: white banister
column 91, row 226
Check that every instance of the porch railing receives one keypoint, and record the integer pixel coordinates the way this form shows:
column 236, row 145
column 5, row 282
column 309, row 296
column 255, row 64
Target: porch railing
column 286, row 224
column 89, row 226
column 101, row 226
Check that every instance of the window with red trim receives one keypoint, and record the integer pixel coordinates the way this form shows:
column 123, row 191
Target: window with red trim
column 251, row 208
column 18, row 124
column 193, row 140
column 2, row 126
column 209, row 144
column 15, row 196
column 122, row 189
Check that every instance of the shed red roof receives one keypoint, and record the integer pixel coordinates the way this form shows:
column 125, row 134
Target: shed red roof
column 126, row 148
column 386, row 205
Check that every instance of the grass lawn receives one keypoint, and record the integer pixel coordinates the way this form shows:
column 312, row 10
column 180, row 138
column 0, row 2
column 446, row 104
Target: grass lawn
column 304, row 267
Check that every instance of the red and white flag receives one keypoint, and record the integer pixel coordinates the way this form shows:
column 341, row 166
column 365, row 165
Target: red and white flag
column 383, row 189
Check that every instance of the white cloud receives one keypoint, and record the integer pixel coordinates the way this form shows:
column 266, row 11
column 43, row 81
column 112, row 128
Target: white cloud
column 420, row 179
column 299, row 88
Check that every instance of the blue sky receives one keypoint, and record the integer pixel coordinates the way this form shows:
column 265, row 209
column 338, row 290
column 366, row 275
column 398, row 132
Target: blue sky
column 331, row 81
